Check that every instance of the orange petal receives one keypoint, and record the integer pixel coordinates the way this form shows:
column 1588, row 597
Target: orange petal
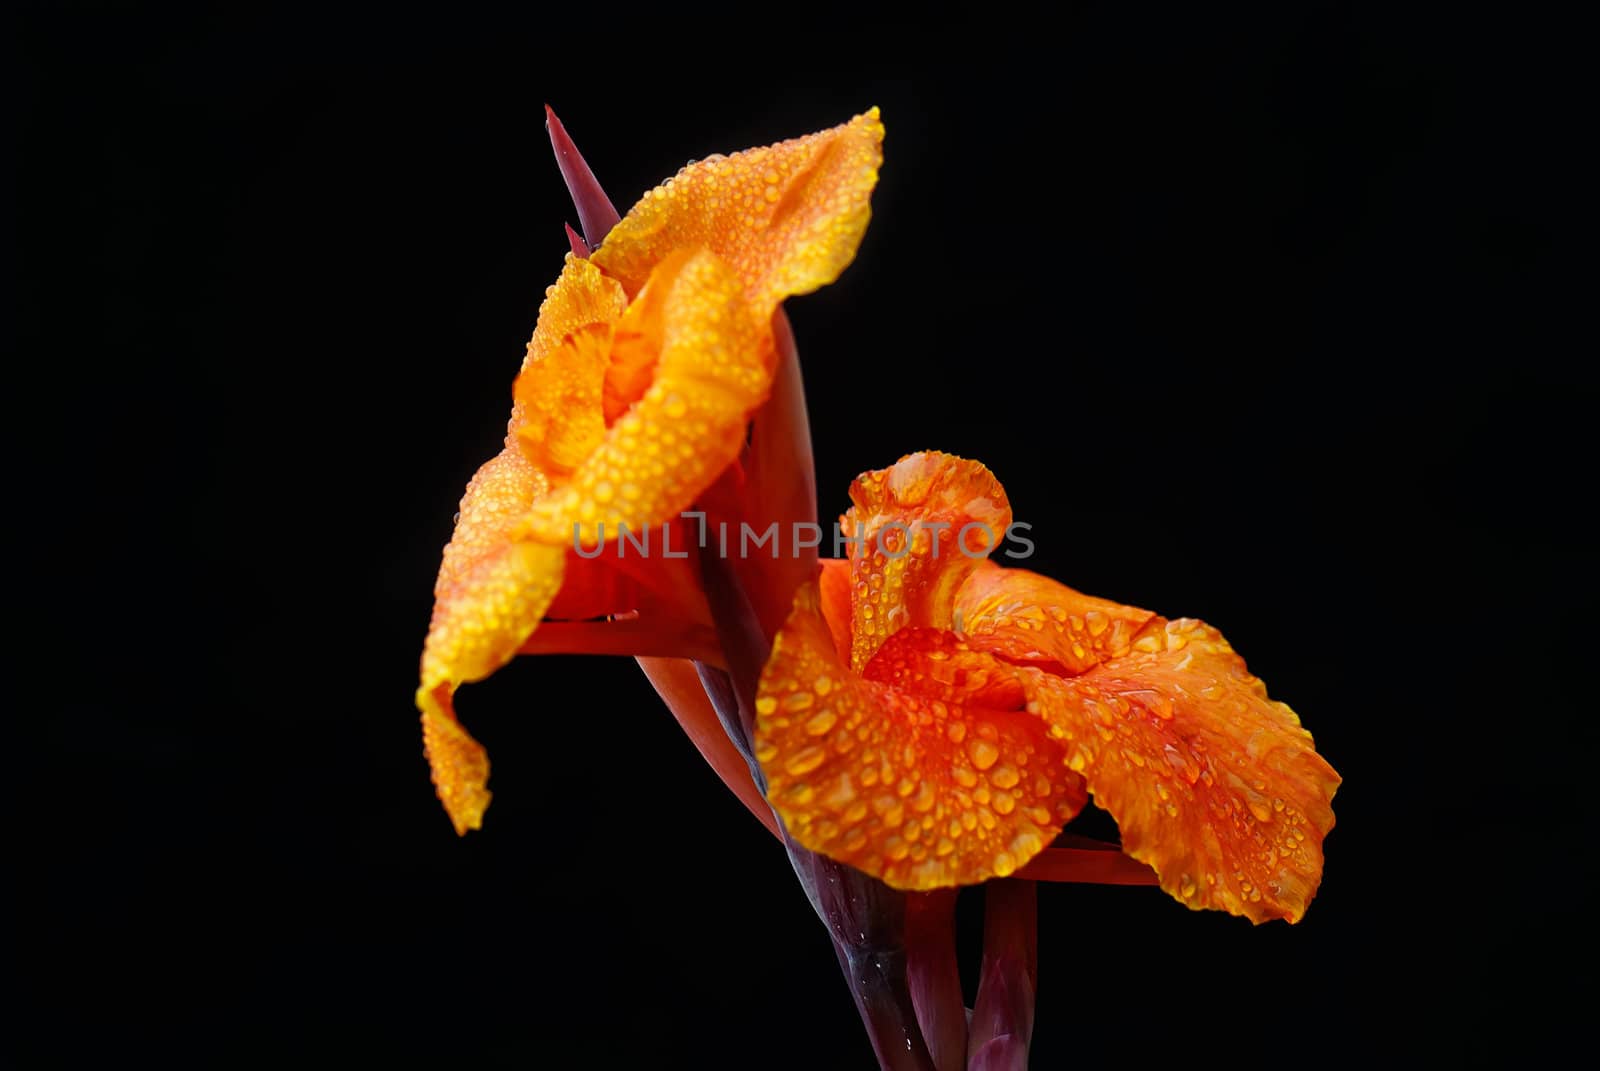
column 787, row 218
column 689, row 425
column 924, row 524
column 490, row 594
column 1024, row 617
column 932, row 774
column 1213, row 784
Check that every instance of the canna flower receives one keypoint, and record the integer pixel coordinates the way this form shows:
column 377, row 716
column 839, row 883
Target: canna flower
column 650, row 356
column 934, row 719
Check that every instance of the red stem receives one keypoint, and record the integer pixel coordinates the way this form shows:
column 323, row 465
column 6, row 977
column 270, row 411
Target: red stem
column 1002, row 1017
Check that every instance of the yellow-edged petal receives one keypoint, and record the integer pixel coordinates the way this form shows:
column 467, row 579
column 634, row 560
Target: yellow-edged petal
column 490, row 595
column 492, row 590
column 624, row 415
column 786, row 218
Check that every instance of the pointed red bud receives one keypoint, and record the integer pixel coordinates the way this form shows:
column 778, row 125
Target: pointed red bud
column 596, row 214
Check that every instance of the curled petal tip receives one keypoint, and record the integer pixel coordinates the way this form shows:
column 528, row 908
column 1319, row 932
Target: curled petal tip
column 596, row 214
column 459, row 763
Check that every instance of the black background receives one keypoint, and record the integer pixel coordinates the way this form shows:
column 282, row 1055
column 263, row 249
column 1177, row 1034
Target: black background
column 1260, row 318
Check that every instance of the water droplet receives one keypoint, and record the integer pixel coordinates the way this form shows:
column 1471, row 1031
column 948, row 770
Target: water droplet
column 821, row 722
column 805, row 760
column 984, row 754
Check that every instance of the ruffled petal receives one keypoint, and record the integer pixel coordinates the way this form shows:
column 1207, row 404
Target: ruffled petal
column 559, row 401
column 1213, row 784
column 932, row 773
column 921, row 527
column 580, row 297
column 1024, row 617
column 786, row 218
column 689, row 425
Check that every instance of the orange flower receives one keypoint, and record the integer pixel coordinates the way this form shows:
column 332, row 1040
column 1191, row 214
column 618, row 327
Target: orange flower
column 649, row 358
column 934, row 719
